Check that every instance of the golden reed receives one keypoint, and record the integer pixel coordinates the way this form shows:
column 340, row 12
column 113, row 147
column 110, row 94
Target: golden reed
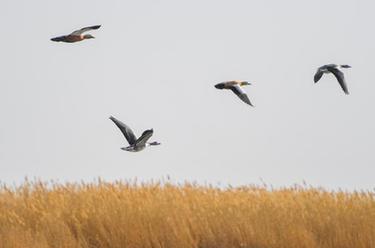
column 163, row 215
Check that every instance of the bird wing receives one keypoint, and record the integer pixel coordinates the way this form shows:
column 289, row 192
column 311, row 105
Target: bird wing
column 340, row 77
column 146, row 135
column 241, row 94
column 220, row 86
column 85, row 29
column 59, row 38
column 126, row 131
column 318, row 75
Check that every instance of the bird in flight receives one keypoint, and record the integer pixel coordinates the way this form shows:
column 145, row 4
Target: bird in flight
column 135, row 145
column 77, row 35
column 334, row 69
column 235, row 86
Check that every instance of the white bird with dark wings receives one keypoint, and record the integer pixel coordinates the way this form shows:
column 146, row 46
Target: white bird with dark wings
column 333, row 68
column 135, row 145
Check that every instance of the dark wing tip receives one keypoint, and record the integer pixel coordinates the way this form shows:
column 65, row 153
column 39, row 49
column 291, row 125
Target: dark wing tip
column 219, row 86
column 247, row 100
column 242, row 95
column 318, row 75
column 114, row 120
column 340, row 78
column 96, row 26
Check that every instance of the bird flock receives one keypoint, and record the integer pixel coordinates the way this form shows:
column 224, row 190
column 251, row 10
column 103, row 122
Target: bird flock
column 138, row 144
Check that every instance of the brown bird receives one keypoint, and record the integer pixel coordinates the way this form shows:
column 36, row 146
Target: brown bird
column 77, row 35
column 235, row 86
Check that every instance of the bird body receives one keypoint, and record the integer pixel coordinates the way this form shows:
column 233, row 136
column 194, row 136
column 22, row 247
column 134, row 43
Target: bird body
column 77, row 35
column 135, row 145
column 236, row 87
column 334, row 69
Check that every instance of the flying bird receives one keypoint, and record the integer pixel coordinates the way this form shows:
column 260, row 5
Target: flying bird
column 135, row 145
column 77, row 35
column 235, row 86
column 334, row 69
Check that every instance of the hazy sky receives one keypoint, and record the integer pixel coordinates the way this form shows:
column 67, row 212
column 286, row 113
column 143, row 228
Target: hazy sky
column 154, row 64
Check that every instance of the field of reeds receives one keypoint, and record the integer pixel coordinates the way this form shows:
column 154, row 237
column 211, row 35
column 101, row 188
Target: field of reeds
column 156, row 215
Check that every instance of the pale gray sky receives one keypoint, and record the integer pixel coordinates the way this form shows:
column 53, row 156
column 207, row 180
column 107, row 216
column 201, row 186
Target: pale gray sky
column 154, row 64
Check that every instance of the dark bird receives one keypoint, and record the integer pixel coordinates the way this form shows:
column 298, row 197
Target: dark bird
column 135, row 145
column 235, row 86
column 334, row 69
column 77, row 35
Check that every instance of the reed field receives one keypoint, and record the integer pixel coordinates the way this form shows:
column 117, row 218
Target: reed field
column 156, row 215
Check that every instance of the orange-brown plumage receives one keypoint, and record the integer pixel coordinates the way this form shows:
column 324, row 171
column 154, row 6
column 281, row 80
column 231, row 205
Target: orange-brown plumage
column 77, row 35
column 235, row 87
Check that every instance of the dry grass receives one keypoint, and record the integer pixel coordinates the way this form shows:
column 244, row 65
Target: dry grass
column 162, row 215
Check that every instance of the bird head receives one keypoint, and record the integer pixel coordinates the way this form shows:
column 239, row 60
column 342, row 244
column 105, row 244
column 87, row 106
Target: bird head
column 88, row 36
column 155, row 143
column 245, row 83
column 346, row 66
